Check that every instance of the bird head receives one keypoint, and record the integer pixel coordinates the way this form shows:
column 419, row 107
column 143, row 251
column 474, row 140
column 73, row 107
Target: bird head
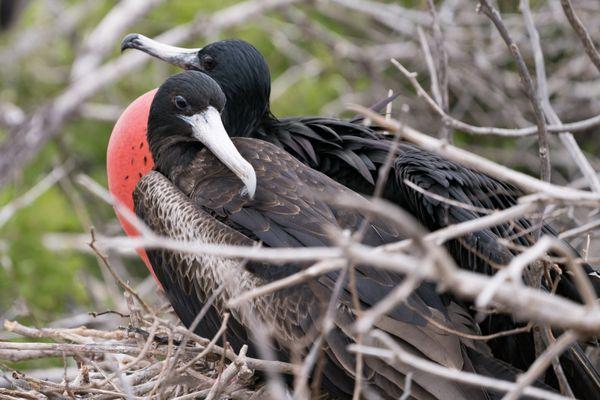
column 185, row 113
column 237, row 66
column 161, row 116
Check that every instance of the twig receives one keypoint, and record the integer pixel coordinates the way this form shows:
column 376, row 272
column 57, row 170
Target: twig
column 540, row 72
column 116, row 276
column 327, row 324
column 527, row 82
column 563, row 382
column 194, row 325
column 395, row 352
column 447, row 200
column 32, row 194
column 396, row 296
column 209, row 346
column 527, row 183
column 584, row 36
column 486, row 130
column 590, row 226
column 457, row 230
column 540, row 364
column 237, row 366
column 514, row 271
column 441, row 69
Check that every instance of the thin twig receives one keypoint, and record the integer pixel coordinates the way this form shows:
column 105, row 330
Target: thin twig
column 7, row 211
column 527, row 183
column 540, row 364
column 527, row 82
column 584, row 36
column 116, row 276
column 395, row 352
column 540, row 73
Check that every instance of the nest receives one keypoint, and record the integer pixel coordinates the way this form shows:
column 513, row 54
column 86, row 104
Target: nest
column 152, row 357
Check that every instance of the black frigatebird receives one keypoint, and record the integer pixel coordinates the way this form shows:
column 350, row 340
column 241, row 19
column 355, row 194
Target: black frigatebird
column 352, row 154
column 211, row 188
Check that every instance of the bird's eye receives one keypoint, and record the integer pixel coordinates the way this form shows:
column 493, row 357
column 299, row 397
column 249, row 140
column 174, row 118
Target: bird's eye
column 181, row 103
column 208, row 63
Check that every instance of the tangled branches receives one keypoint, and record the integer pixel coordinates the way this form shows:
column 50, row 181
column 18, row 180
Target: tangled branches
column 158, row 358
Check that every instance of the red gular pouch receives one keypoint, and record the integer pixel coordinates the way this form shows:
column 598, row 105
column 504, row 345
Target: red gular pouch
column 128, row 158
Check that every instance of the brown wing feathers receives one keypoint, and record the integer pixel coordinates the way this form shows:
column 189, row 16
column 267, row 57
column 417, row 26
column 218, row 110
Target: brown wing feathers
column 288, row 211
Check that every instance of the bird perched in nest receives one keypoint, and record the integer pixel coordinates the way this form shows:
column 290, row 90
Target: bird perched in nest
column 210, row 188
column 353, row 155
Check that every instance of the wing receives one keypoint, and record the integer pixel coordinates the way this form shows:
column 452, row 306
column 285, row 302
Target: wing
column 293, row 316
column 290, row 208
column 324, row 144
column 352, row 154
column 480, row 250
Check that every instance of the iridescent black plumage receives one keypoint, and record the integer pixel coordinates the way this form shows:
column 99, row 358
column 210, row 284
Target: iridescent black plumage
column 352, row 154
column 197, row 198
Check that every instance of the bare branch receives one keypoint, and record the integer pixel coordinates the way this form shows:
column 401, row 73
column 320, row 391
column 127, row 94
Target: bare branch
column 540, row 72
column 485, row 130
column 396, row 352
column 525, row 182
column 527, row 82
column 540, row 365
column 584, row 36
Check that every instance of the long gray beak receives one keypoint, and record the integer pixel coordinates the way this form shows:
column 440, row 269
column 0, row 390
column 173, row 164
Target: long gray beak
column 208, row 128
column 179, row 56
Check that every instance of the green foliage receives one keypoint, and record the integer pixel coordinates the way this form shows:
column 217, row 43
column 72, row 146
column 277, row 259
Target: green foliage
column 45, row 280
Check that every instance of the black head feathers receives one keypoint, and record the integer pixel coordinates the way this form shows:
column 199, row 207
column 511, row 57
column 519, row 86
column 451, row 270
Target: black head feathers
column 184, row 94
column 243, row 74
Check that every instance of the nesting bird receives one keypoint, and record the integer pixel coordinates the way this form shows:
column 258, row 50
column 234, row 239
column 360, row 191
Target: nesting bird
column 349, row 153
column 210, row 188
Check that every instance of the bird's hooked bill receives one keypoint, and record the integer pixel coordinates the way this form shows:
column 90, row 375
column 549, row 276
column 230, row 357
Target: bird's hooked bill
column 179, row 56
column 208, row 128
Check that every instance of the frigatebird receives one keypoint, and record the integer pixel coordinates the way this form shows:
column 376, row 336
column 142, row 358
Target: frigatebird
column 211, row 188
column 353, row 154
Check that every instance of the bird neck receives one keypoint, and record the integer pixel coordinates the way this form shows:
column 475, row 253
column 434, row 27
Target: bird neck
column 242, row 118
column 172, row 152
column 267, row 124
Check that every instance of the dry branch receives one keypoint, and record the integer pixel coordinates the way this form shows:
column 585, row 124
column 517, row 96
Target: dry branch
column 584, row 35
column 525, row 182
column 527, row 82
column 395, row 352
column 24, row 142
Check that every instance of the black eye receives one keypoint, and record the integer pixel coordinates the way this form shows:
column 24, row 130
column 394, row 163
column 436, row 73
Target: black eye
column 208, row 62
column 181, row 103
